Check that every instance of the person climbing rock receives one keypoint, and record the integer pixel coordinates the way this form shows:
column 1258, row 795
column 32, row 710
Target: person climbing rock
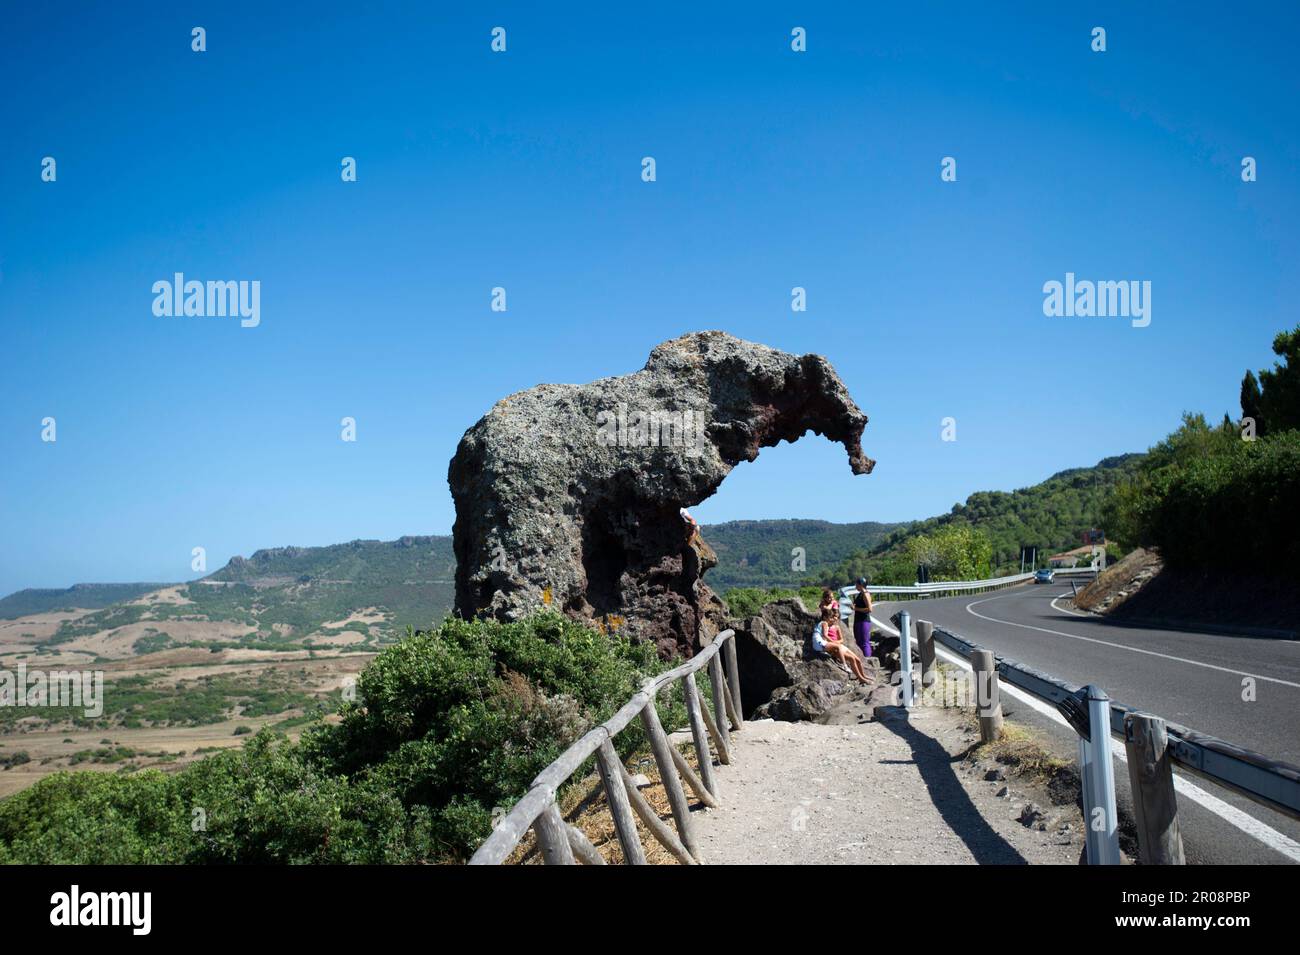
column 692, row 528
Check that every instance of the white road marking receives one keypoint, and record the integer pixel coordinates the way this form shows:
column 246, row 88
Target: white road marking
column 1073, row 613
column 1120, row 646
column 1270, row 837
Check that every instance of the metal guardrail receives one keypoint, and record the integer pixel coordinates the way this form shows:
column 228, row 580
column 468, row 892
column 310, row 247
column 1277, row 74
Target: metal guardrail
column 937, row 587
column 1267, row 781
column 945, row 586
column 562, row 843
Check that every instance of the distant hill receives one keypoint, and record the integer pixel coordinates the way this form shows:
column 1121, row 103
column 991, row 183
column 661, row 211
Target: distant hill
column 758, row 553
column 1050, row 515
column 296, row 589
column 82, row 596
column 274, row 599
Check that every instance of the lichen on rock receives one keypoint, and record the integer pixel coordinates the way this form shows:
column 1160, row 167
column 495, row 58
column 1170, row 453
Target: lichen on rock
column 569, row 496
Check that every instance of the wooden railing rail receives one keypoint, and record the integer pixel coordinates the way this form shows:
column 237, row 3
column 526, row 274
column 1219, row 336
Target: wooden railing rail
column 563, row 844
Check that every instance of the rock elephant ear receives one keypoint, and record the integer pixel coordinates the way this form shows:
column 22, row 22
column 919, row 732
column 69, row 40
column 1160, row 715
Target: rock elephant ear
column 569, row 490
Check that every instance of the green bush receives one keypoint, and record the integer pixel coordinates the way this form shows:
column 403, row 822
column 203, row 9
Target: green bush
column 462, row 719
column 744, row 602
column 88, row 818
column 1236, row 509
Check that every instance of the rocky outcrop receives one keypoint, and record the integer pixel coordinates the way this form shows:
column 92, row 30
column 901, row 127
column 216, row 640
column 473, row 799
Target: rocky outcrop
column 780, row 675
column 568, row 496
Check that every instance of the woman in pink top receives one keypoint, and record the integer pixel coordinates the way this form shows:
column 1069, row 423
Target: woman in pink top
column 827, row 640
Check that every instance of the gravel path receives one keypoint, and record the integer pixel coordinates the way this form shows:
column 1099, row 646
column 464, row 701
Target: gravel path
column 890, row 791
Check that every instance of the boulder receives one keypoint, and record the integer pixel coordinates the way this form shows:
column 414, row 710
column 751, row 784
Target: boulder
column 781, row 677
column 568, row 496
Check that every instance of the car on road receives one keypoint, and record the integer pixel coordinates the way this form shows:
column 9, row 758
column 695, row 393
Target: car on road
column 1044, row 576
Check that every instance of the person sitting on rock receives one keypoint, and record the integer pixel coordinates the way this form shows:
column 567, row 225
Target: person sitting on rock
column 829, row 603
column 827, row 640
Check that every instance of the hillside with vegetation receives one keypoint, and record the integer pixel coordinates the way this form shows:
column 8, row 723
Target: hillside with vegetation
column 78, row 596
column 785, row 553
column 1220, row 505
column 983, row 536
column 293, row 590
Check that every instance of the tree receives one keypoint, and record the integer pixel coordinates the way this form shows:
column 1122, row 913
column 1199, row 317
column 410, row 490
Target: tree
column 1250, row 399
column 1279, row 387
column 953, row 552
column 1195, row 439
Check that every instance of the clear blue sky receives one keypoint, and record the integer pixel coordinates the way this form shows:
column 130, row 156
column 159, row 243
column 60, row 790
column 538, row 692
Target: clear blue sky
column 522, row 169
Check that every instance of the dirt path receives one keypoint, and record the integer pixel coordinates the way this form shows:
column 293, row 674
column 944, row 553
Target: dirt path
column 891, row 791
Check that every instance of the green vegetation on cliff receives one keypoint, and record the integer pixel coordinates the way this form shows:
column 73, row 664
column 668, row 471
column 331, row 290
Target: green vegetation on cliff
column 763, row 553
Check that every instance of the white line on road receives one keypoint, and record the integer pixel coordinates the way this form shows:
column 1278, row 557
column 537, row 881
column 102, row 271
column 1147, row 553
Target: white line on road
column 1278, row 842
column 1073, row 613
column 1120, row 646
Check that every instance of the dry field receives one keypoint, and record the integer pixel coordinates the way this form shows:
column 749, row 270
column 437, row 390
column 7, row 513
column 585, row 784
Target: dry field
column 169, row 730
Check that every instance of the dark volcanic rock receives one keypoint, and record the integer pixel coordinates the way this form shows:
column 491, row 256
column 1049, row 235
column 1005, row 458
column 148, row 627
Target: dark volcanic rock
column 568, row 495
column 780, row 675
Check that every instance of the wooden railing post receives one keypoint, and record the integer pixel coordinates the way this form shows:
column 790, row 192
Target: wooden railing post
column 925, row 641
column 719, row 698
column 733, row 681
column 610, row 768
column 719, row 741
column 988, row 704
column 553, row 837
column 672, row 784
column 1151, row 774
column 664, row 833
column 583, row 850
column 698, row 733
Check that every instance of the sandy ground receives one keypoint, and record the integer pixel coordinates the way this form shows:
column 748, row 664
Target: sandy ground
column 51, row 743
column 894, row 791
column 50, row 748
column 367, row 616
column 168, row 595
column 23, row 633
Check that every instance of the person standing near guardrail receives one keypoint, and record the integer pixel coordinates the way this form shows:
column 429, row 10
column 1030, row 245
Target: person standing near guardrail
column 862, row 607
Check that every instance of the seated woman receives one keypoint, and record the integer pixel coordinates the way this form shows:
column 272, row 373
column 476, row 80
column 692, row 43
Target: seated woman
column 826, row 639
column 828, row 603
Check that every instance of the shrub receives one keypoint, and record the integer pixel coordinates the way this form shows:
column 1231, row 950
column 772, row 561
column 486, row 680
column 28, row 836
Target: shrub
column 1235, row 509
column 460, row 720
column 91, row 818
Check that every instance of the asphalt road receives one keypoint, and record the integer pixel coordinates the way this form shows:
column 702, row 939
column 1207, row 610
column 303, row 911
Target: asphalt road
column 1196, row 679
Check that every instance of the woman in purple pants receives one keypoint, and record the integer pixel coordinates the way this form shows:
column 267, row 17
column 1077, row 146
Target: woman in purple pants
column 862, row 608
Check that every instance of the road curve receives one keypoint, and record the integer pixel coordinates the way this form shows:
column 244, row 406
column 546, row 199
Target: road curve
column 1203, row 681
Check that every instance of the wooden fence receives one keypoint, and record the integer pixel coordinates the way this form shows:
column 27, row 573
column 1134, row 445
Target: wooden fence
column 562, row 843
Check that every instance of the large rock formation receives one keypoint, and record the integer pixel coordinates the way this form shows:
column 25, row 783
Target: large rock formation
column 568, row 495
